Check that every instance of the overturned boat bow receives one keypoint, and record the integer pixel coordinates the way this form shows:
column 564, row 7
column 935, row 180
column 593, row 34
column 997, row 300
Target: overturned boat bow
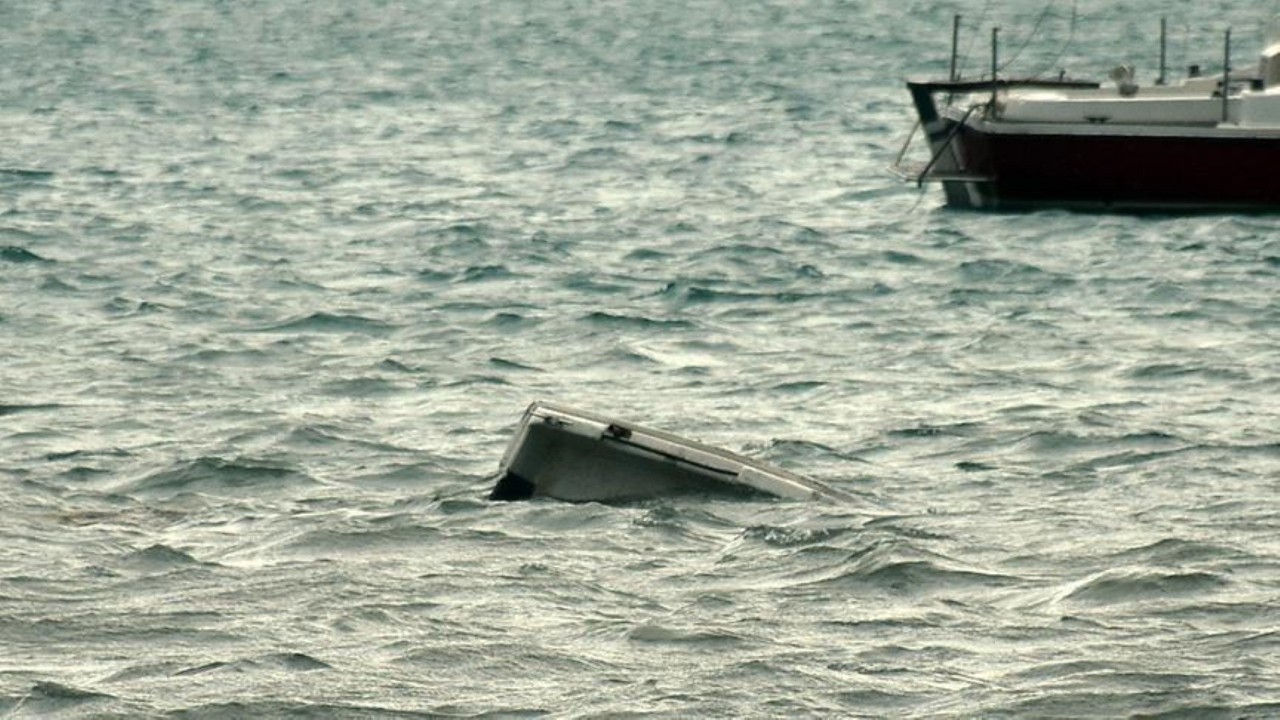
column 578, row 456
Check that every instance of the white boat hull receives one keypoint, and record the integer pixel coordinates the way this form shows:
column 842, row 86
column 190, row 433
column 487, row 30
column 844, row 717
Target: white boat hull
column 577, row 456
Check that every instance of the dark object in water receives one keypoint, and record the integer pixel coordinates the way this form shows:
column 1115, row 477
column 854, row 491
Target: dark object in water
column 577, row 456
column 512, row 487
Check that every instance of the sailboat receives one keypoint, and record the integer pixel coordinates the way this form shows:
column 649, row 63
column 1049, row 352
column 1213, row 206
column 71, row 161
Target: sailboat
column 1207, row 142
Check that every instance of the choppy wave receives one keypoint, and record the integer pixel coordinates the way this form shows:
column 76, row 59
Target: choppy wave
column 220, row 476
column 20, row 255
column 1115, row 586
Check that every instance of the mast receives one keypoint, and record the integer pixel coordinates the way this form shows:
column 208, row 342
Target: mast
column 995, row 64
column 1226, row 73
column 1164, row 43
column 955, row 47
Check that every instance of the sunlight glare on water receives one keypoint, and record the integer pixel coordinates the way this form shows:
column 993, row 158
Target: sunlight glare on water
column 279, row 279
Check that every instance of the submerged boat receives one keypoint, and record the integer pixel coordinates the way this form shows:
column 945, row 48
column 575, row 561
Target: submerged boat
column 1210, row 142
column 577, row 456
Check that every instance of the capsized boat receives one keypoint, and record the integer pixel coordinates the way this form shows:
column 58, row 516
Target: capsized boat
column 577, row 456
column 1210, row 142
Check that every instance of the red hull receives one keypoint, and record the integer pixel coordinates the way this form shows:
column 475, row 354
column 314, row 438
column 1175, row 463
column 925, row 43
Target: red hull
column 1022, row 167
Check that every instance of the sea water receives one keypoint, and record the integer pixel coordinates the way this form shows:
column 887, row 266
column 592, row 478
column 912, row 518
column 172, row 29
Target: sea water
column 278, row 278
